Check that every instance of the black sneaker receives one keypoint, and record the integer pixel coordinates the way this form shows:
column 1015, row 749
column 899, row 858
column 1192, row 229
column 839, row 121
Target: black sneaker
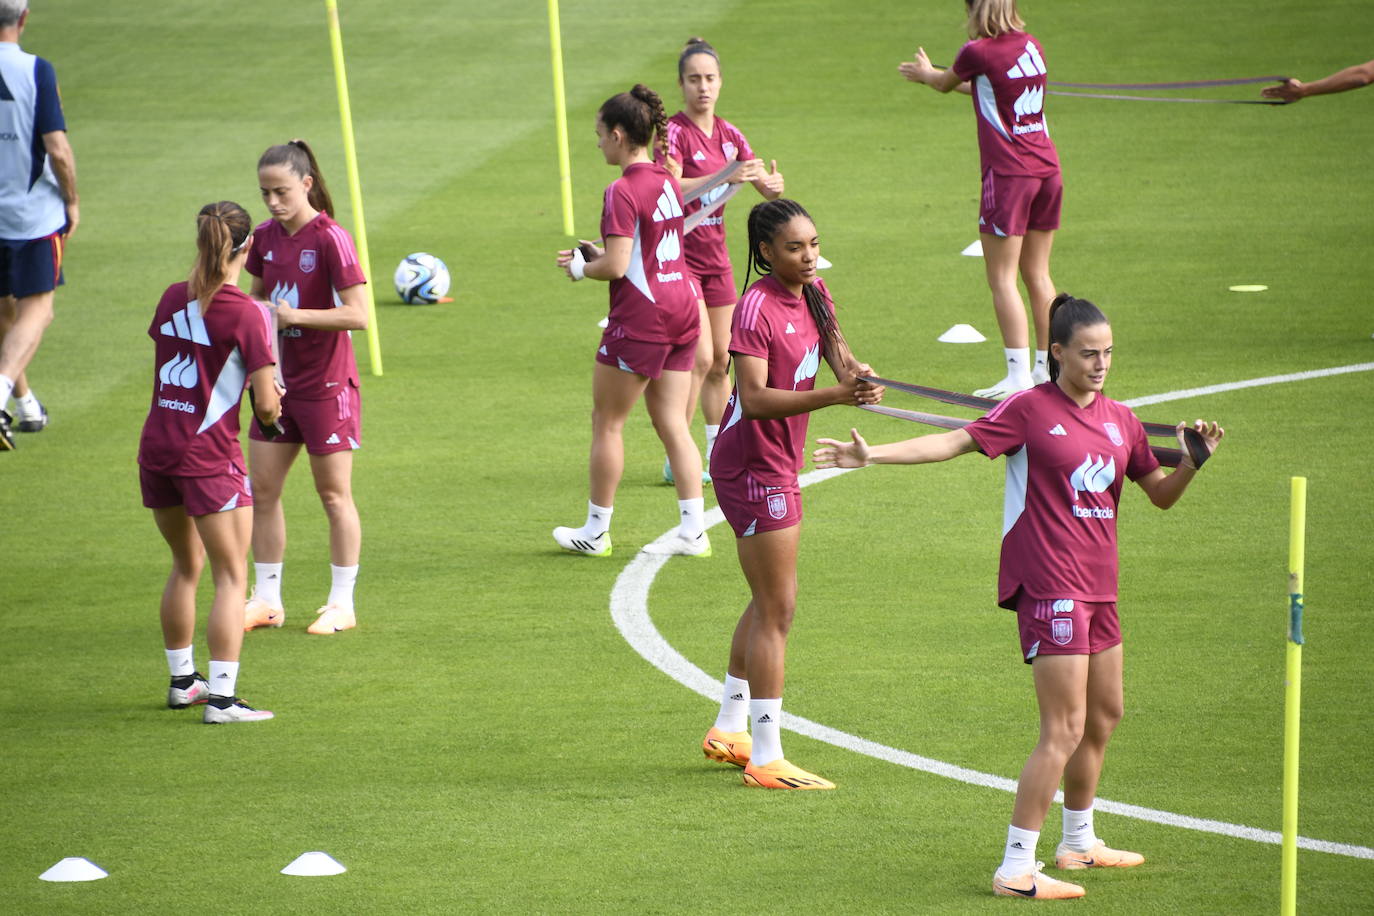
column 6, row 437
column 188, row 690
column 33, row 424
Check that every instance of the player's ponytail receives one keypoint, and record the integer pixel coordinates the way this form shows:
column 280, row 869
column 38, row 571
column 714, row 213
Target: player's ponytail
column 222, row 233
column 695, row 45
column 298, row 157
column 764, row 222
column 1067, row 315
column 639, row 113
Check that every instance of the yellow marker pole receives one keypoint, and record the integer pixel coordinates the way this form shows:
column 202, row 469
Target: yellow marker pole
column 1292, row 697
column 560, row 116
column 355, row 190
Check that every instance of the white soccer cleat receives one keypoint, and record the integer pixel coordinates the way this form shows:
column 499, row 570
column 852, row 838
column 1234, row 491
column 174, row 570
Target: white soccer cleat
column 1006, row 388
column 236, row 711
column 675, row 545
column 576, row 540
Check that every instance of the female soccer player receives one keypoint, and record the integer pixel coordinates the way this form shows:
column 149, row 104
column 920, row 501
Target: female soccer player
column 650, row 341
column 209, row 340
column 1068, row 447
column 305, row 264
column 1004, row 69
column 701, row 144
column 784, row 326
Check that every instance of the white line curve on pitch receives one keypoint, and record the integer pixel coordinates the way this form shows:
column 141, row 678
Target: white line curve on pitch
column 630, row 613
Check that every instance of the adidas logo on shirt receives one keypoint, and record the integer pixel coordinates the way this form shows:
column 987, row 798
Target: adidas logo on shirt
column 267, row 257
column 1030, row 63
column 1058, row 430
column 698, row 156
column 668, row 206
column 187, row 324
column 790, row 329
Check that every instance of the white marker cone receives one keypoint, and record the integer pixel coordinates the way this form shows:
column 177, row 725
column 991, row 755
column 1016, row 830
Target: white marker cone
column 975, row 250
column 74, row 868
column 822, row 263
column 962, row 333
column 313, row 865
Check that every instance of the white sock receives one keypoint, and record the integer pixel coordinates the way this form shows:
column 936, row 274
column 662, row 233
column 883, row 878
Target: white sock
column 181, row 662
column 27, row 406
column 767, row 718
column 224, row 678
column 1042, row 358
column 693, row 515
column 1019, row 856
column 341, row 586
column 711, row 432
column 734, row 705
column 6, row 389
column 598, row 520
column 1018, row 362
column 267, row 582
column 1078, row 830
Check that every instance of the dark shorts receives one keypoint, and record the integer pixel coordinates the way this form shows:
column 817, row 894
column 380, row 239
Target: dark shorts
column 1065, row 626
column 1013, row 204
column 323, row 427
column 751, row 507
column 647, row 359
column 717, row 290
column 28, row 268
column 200, row 495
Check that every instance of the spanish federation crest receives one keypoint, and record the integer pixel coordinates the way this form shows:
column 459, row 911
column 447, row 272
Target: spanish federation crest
column 1061, row 631
column 307, row 265
column 730, row 150
column 777, row 505
column 1113, row 433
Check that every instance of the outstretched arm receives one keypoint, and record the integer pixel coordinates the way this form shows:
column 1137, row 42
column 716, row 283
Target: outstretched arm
column 1340, row 81
column 1165, row 489
column 920, row 70
column 920, row 450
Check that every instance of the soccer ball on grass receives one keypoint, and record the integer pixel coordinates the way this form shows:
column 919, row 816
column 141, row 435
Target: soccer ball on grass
column 422, row 279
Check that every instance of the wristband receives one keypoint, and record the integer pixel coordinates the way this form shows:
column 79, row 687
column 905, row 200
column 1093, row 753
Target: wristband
column 577, row 267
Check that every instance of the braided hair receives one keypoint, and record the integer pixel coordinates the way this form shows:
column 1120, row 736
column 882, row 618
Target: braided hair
column 765, row 220
column 1067, row 315
column 640, row 114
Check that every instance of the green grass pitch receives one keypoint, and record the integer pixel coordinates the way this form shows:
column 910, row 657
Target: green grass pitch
column 486, row 740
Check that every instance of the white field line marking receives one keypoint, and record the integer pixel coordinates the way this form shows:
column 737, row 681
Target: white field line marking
column 630, row 612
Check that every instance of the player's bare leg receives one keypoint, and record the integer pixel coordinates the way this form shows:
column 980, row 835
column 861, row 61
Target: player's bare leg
column 614, row 394
column 1001, row 257
column 333, row 475
column 664, row 398
column 1035, row 273
column 268, row 465
column 1081, row 847
column 700, row 368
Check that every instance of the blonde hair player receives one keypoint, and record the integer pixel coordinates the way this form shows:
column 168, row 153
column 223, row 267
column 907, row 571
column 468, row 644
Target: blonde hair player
column 209, row 341
column 1003, row 68
column 1068, row 448
column 651, row 334
column 784, row 326
column 700, row 144
column 305, row 264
